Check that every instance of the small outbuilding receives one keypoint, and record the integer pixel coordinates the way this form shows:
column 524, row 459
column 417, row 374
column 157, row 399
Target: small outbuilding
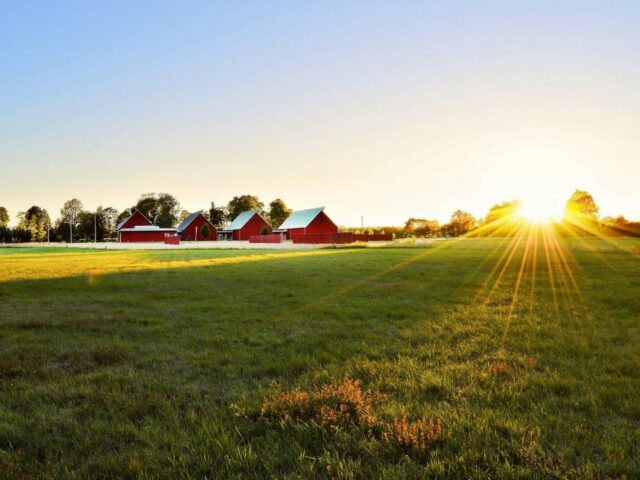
column 246, row 224
column 304, row 222
column 192, row 228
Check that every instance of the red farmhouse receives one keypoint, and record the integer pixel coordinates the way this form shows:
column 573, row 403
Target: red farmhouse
column 245, row 225
column 191, row 228
column 302, row 222
column 138, row 228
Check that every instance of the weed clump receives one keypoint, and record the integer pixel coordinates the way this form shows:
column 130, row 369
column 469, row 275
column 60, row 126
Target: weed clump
column 412, row 436
column 344, row 405
column 339, row 404
column 499, row 368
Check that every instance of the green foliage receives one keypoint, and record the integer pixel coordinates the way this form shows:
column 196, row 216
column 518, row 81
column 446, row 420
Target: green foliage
column 90, row 224
column 278, row 212
column 162, row 209
column 153, row 364
column 217, row 215
column 123, row 216
column 242, row 203
column 460, row 224
column 206, row 232
column 4, row 217
column 502, row 210
column 36, row 220
column 581, row 205
column 420, row 227
column 110, row 219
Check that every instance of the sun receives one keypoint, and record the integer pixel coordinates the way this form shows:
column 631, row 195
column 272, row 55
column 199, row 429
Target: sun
column 538, row 210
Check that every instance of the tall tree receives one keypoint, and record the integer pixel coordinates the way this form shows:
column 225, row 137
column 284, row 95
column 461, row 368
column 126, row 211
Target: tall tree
column 217, row 215
column 126, row 213
column 162, row 209
column 91, row 225
column 421, row 227
column 69, row 216
column 110, row 218
column 169, row 209
column 502, row 210
column 278, row 212
column 37, row 221
column 183, row 214
column 461, row 222
column 242, row 203
column 581, row 205
column 4, row 217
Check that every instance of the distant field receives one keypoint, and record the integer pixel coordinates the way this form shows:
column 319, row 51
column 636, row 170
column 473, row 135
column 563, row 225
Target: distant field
column 156, row 364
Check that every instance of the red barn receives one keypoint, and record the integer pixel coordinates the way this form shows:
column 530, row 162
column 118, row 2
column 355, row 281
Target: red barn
column 144, row 233
column 246, row 224
column 313, row 220
column 192, row 226
column 136, row 219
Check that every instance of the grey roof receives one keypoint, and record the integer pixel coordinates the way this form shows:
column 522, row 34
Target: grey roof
column 187, row 221
column 134, row 210
column 241, row 220
column 301, row 218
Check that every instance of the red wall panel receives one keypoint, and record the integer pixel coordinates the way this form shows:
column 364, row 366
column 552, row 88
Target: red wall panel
column 253, row 227
column 130, row 237
column 189, row 233
column 137, row 220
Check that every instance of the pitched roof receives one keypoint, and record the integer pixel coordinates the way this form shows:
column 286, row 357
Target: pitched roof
column 134, row 210
column 187, row 221
column 301, row 218
column 242, row 219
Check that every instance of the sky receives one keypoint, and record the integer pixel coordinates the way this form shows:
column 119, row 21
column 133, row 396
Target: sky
column 382, row 110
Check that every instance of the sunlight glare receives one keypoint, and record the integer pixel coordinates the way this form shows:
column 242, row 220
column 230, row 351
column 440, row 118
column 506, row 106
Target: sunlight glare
column 539, row 210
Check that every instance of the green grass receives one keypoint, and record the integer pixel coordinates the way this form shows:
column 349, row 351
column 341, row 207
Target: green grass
column 155, row 364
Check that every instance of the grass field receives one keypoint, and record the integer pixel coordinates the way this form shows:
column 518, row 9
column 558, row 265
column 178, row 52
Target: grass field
column 140, row 364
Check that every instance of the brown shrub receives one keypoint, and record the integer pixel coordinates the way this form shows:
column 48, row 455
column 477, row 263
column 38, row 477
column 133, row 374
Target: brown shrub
column 342, row 403
column 417, row 436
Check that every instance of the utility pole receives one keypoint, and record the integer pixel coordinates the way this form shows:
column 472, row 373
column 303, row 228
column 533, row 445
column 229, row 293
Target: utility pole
column 95, row 229
column 362, row 222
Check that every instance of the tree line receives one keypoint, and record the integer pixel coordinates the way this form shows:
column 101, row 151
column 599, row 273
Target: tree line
column 75, row 223
column 581, row 217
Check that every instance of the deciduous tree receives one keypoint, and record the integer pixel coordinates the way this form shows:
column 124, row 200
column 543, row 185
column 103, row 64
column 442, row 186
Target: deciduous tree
column 242, row 203
column 4, row 217
column 217, row 215
column 36, row 220
column 278, row 212
column 581, row 205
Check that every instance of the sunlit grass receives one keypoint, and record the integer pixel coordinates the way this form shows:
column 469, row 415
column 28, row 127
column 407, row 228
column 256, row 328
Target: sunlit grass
column 524, row 347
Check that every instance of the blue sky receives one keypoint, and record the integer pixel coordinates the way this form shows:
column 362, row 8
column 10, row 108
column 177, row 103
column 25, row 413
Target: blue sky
column 381, row 109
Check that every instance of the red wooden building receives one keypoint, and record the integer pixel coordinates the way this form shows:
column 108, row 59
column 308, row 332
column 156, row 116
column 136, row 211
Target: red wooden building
column 136, row 219
column 245, row 225
column 302, row 222
column 191, row 228
column 144, row 233
column 138, row 228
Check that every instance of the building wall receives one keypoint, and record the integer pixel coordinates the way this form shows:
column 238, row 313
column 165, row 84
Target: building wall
column 136, row 220
column 189, row 233
column 253, row 227
column 321, row 224
column 135, row 237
